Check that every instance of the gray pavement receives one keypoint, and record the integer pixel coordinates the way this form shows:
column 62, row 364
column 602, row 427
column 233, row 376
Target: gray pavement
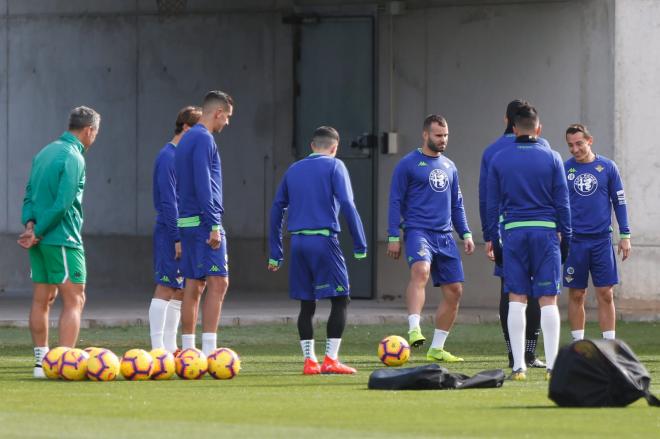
column 112, row 308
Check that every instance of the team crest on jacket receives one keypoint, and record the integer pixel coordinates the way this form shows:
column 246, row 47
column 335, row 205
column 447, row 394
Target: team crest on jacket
column 439, row 180
column 585, row 184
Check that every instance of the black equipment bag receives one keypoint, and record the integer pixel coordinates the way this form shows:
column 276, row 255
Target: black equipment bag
column 432, row 377
column 599, row 373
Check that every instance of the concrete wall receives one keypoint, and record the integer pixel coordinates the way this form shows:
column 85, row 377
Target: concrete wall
column 463, row 59
column 637, row 94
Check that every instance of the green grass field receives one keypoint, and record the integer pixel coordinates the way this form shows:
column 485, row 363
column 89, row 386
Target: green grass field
column 270, row 398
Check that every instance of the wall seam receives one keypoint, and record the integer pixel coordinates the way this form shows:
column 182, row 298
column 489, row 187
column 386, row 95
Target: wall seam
column 137, row 114
column 7, row 114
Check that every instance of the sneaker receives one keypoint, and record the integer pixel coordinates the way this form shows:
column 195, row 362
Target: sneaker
column 533, row 362
column 548, row 374
column 38, row 371
column 518, row 375
column 441, row 355
column 311, row 367
column 331, row 366
column 415, row 337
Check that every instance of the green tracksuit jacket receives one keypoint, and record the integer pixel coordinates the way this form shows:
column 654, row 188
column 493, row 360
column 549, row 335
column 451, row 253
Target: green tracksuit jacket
column 53, row 195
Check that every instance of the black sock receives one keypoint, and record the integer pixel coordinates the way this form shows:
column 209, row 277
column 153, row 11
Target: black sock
column 305, row 326
column 504, row 315
column 337, row 319
column 533, row 329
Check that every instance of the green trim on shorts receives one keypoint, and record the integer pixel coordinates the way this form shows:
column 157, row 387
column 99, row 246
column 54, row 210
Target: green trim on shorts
column 322, row 232
column 516, row 224
column 55, row 265
column 192, row 221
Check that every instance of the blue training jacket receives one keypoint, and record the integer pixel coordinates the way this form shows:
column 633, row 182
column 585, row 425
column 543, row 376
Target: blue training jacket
column 164, row 191
column 526, row 185
column 199, row 179
column 425, row 194
column 313, row 191
column 507, row 139
column 594, row 188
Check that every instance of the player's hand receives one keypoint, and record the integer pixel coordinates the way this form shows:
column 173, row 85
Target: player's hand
column 273, row 267
column 624, row 247
column 215, row 239
column 489, row 251
column 497, row 252
column 177, row 250
column 469, row 246
column 394, row 249
column 28, row 239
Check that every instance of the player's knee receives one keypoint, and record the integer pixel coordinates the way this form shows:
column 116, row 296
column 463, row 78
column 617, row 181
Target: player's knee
column 577, row 296
column 420, row 272
column 605, row 296
column 453, row 293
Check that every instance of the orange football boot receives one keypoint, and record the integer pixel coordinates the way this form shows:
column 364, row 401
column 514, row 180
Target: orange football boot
column 334, row 366
column 311, row 367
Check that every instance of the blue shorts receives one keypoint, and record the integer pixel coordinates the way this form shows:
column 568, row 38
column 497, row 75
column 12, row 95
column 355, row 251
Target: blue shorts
column 198, row 259
column 532, row 261
column 166, row 268
column 318, row 269
column 438, row 249
column 590, row 255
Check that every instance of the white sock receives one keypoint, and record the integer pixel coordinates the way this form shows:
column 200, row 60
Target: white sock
column 413, row 321
column 516, row 323
column 550, row 322
column 157, row 311
column 209, row 340
column 439, row 337
column 332, row 348
column 187, row 341
column 172, row 318
column 578, row 334
column 609, row 335
column 39, row 354
column 308, row 349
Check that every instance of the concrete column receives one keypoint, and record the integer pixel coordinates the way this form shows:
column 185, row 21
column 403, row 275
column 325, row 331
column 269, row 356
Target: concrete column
column 637, row 95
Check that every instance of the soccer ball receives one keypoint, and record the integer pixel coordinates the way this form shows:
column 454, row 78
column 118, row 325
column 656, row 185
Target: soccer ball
column 136, row 365
column 164, row 367
column 51, row 362
column 191, row 364
column 224, row 364
column 104, row 366
column 73, row 365
column 393, row 351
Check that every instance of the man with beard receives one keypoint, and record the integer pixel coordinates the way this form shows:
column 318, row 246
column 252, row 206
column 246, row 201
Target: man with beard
column 426, row 202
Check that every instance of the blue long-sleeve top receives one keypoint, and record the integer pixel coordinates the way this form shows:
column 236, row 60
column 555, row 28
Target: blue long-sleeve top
column 313, row 191
column 199, row 178
column 526, row 185
column 425, row 194
column 164, row 191
column 594, row 188
column 507, row 139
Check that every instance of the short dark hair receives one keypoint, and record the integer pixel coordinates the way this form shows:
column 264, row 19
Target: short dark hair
column 434, row 118
column 324, row 136
column 217, row 96
column 187, row 116
column 578, row 128
column 526, row 118
column 83, row 117
column 511, row 110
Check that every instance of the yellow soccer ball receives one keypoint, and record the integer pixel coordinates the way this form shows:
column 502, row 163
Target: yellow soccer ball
column 393, row 350
column 104, row 366
column 73, row 365
column 92, row 351
column 136, row 365
column 191, row 364
column 51, row 362
column 224, row 364
column 164, row 366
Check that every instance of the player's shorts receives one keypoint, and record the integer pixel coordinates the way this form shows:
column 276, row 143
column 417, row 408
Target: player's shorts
column 54, row 264
column 590, row 255
column 532, row 261
column 166, row 267
column 318, row 269
column 438, row 249
column 198, row 259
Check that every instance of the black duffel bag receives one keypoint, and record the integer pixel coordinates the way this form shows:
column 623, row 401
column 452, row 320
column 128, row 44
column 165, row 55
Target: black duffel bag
column 599, row 373
column 432, row 377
